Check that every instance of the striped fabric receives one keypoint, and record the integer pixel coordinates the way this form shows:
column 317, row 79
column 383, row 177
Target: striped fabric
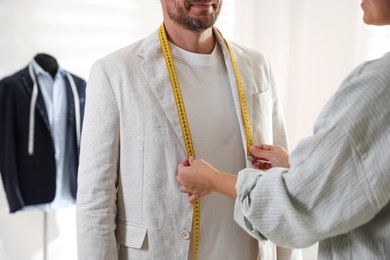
column 337, row 190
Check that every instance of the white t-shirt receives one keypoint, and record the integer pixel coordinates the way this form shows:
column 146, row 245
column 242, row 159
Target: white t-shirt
column 216, row 137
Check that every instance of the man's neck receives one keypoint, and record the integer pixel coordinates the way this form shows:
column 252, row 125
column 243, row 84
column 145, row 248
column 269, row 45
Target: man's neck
column 202, row 42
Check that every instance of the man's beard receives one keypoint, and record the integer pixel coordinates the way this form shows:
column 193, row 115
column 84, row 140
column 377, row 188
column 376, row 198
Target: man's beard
column 193, row 24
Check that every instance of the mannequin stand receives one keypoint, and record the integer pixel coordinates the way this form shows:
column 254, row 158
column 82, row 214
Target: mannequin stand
column 44, row 235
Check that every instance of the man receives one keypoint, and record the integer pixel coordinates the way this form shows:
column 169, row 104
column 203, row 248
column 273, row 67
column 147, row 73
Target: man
column 335, row 186
column 151, row 104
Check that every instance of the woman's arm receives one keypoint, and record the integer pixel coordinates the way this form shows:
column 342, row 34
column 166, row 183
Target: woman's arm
column 198, row 178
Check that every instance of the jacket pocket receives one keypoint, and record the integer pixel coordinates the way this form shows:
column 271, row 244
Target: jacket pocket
column 130, row 235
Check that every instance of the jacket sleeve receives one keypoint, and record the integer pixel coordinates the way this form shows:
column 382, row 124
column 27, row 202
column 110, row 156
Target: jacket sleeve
column 98, row 169
column 8, row 160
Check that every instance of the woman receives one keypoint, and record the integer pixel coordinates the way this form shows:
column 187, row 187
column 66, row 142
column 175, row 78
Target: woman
column 334, row 188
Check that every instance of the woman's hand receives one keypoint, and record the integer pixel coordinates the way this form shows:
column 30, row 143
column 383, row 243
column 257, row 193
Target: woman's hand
column 198, row 179
column 195, row 178
column 267, row 156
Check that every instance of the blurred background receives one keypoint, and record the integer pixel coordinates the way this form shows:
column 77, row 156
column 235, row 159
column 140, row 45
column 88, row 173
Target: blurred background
column 312, row 45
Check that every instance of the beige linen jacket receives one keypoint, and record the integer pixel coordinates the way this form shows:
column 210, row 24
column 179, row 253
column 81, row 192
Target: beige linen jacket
column 128, row 204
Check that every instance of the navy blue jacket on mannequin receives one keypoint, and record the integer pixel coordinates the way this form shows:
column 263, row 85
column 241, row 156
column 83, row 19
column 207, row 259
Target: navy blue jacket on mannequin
column 30, row 179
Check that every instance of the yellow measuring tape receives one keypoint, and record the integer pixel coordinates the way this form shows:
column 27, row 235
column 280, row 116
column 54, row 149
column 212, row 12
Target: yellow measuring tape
column 244, row 109
column 184, row 122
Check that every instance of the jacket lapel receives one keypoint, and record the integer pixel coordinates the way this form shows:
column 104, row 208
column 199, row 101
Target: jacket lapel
column 156, row 74
column 244, row 65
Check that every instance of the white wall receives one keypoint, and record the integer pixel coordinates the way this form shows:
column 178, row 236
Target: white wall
column 76, row 32
column 312, row 46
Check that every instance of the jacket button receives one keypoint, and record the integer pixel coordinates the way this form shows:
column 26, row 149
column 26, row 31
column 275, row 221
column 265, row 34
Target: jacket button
column 185, row 235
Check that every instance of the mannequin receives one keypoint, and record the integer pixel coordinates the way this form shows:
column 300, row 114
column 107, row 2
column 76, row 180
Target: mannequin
column 27, row 156
column 47, row 62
